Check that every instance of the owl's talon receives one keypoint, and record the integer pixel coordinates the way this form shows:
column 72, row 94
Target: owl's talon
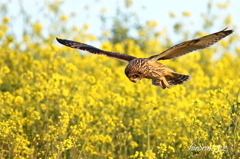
column 161, row 84
column 164, row 82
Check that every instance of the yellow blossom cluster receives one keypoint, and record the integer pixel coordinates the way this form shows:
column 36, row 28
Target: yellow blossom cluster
column 57, row 102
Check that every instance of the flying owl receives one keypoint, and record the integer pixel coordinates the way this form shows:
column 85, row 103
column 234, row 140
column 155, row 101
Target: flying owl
column 161, row 75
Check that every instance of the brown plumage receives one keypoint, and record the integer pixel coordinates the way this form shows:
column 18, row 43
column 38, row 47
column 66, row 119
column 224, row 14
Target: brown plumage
column 160, row 74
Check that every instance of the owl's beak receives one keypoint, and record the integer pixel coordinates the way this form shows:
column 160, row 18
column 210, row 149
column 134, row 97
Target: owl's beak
column 134, row 80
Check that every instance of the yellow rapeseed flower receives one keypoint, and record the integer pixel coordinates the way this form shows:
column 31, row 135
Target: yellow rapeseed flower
column 228, row 20
column 67, row 144
column 171, row 14
column 37, row 28
column 91, row 37
column 85, row 26
column 186, row 14
column 152, row 24
column 222, row 5
column 106, row 46
column 150, row 154
column 26, row 38
column 1, row 34
column 75, row 29
column 134, row 144
column 106, row 33
column 141, row 33
column 91, row 79
column 39, row 96
column 6, row 20
column 64, row 18
column 10, row 39
column 224, row 43
column 5, row 70
column 18, row 100
column 103, row 10
column 108, row 139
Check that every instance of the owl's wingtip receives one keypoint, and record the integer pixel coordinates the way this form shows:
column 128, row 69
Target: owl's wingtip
column 229, row 30
column 59, row 40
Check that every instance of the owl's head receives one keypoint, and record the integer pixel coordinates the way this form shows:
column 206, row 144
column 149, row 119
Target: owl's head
column 134, row 70
column 133, row 75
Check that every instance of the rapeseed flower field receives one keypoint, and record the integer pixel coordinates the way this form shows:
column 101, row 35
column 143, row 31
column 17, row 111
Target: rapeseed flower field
column 57, row 102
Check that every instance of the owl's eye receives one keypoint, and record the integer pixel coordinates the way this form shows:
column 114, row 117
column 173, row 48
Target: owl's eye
column 135, row 76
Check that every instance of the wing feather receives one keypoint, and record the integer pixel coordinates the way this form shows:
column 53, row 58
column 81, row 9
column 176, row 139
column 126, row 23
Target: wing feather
column 94, row 50
column 192, row 45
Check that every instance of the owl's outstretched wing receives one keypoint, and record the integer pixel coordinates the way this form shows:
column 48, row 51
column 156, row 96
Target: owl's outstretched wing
column 192, row 45
column 94, row 50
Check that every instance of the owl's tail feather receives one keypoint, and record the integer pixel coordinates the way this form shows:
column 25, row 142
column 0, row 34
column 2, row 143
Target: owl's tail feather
column 177, row 78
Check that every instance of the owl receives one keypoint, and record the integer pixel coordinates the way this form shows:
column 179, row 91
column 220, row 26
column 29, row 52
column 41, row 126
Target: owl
column 161, row 75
